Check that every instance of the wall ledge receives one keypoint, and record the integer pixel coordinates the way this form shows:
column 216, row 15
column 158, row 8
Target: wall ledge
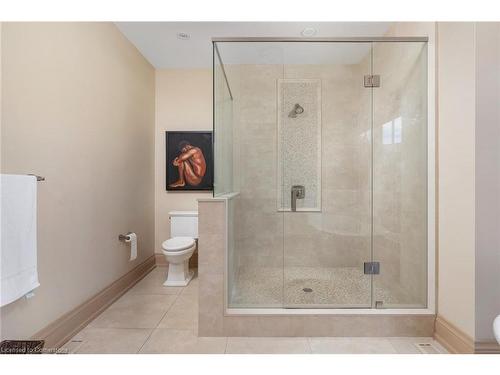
column 64, row 328
column 452, row 338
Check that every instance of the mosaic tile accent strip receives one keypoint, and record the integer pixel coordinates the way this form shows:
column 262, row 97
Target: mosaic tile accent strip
column 299, row 142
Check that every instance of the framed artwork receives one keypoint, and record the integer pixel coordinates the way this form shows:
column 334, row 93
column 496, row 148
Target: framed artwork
column 189, row 161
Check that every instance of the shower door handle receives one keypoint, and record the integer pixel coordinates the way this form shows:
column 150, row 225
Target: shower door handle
column 297, row 192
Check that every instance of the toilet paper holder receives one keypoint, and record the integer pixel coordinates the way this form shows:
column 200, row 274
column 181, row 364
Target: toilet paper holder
column 124, row 237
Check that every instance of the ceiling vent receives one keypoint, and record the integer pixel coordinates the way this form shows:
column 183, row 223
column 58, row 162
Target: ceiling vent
column 308, row 32
column 183, row 36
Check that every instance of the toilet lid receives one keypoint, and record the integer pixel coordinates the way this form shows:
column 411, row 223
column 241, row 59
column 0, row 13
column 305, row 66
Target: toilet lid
column 178, row 243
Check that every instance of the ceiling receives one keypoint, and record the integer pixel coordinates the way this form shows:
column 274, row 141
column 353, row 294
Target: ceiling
column 160, row 45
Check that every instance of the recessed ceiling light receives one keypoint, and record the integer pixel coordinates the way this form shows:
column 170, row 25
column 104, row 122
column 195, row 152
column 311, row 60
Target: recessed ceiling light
column 309, row 31
column 183, row 36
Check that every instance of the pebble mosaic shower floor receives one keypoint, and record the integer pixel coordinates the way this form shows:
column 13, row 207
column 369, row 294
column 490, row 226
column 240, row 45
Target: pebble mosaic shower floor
column 310, row 287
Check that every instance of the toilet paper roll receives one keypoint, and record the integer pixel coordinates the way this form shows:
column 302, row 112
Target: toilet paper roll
column 132, row 238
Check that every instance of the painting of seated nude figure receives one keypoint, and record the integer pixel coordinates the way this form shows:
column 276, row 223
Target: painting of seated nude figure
column 189, row 160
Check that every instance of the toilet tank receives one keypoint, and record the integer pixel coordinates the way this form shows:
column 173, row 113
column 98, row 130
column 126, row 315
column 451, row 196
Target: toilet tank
column 184, row 224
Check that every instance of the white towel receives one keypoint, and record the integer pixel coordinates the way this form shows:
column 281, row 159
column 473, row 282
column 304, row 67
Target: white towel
column 18, row 237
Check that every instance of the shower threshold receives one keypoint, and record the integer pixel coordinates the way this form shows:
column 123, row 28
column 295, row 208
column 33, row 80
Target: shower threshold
column 325, row 311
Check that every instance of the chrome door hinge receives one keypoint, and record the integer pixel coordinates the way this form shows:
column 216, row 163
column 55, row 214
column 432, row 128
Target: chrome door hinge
column 372, row 268
column 372, row 80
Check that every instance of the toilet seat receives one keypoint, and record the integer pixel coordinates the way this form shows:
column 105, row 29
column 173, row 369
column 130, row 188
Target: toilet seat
column 178, row 244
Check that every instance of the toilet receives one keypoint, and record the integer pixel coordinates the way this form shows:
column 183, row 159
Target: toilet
column 179, row 248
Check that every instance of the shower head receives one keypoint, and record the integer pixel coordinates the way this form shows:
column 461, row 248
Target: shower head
column 297, row 110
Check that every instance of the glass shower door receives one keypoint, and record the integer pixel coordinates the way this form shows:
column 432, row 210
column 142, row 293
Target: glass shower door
column 400, row 174
column 324, row 170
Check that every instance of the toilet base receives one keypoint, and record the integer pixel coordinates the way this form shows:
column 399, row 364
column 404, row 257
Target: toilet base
column 179, row 274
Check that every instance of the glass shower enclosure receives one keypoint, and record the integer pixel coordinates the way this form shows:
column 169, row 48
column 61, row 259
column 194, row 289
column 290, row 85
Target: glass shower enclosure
column 321, row 147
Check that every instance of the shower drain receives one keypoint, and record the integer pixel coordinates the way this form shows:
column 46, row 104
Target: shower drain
column 307, row 290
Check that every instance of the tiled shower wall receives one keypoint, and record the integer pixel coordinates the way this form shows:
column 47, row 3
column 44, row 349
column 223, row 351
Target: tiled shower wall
column 339, row 234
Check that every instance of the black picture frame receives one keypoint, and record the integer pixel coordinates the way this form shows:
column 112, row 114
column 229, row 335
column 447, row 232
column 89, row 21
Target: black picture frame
column 200, row 141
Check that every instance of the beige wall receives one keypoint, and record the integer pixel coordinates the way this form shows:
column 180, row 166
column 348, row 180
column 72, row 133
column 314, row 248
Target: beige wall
column 487, row 178
column 456, row 103
column 78, row 108
column 183, row 102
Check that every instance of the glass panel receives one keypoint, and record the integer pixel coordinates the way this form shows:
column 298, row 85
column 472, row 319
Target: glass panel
column 324, row 123
column 223, row 131
column 290, row 115
column 255, row 269
column 400, row 174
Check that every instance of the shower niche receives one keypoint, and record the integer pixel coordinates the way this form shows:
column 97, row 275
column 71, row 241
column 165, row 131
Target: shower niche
column 325, row 177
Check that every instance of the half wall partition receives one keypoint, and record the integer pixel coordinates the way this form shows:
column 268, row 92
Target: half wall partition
column 322, row 148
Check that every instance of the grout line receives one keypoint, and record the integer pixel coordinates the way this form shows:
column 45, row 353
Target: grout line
column 157, row 324
column 163, row 316
column 159, row 321
column 155, row 294
column 310, row 345
column 124, row 328
column 394, row 346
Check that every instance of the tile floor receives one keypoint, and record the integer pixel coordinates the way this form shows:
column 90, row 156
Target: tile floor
column 151, row 318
